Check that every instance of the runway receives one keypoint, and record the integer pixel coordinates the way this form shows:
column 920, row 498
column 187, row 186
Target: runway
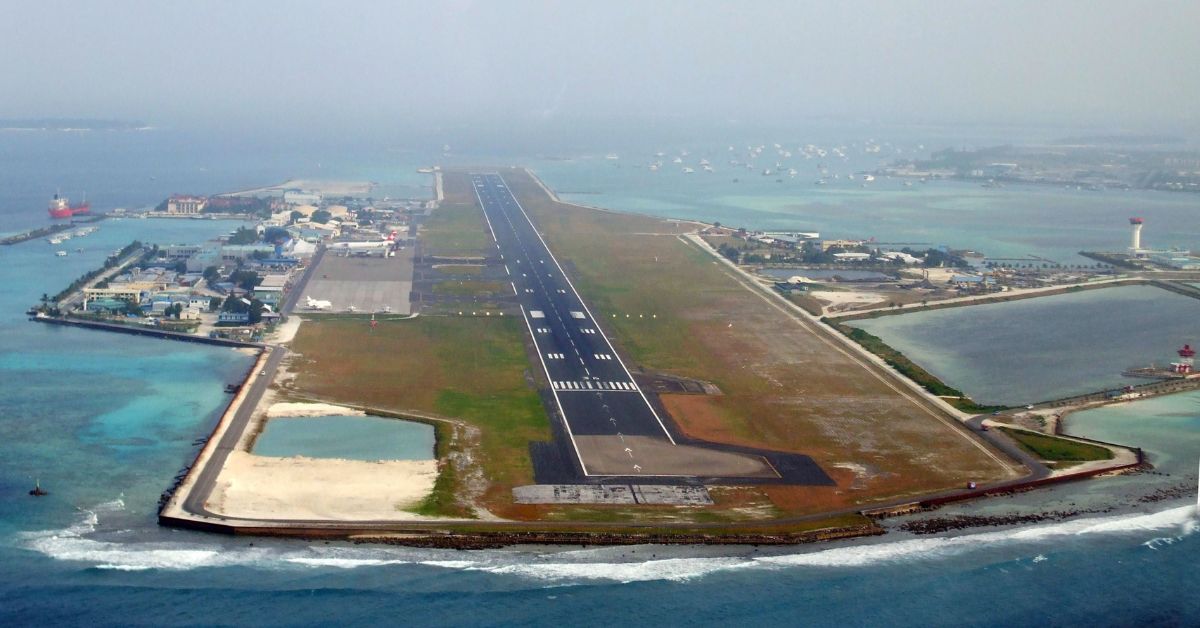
column 612, row 426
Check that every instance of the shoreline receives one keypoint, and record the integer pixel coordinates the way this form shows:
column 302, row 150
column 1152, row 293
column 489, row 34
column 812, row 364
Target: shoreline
column 476, row 533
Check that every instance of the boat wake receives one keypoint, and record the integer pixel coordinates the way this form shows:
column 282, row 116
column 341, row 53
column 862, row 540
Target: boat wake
column 605, row 564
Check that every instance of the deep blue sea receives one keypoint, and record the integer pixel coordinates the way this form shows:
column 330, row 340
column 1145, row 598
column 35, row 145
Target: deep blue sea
column 105, row 421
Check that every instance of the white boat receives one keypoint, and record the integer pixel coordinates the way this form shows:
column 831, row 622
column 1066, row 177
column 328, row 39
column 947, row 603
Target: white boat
column 677, row 160
column 612, row 156
column 55, row 240
column 687, row 170
column 653, row 167
column 61, row 253
column 708, row 168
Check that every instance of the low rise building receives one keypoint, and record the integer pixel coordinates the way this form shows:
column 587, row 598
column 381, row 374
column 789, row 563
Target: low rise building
column 185, row 204
column 301, row 197
column 901, row 256
column 233, row 318
column 1179, row 260
column 244, row 252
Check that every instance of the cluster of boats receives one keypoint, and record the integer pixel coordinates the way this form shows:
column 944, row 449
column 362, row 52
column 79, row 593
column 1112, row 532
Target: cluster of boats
column 58, row 238
column 751, row 158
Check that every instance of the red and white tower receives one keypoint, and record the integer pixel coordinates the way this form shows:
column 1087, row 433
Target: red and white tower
column 1187, row 356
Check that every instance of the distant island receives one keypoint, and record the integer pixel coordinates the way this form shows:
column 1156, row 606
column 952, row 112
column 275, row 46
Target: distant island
column 70, row 124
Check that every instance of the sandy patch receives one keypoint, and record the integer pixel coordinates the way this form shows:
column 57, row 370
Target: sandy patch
column 844, row 299
column 296, row 409
column 286, row 331
column 936, row 275
column 262, row 487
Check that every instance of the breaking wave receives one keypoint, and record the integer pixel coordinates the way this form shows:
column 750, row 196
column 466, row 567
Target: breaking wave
column 566, row 567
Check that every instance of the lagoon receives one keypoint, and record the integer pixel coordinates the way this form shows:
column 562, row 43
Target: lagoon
column 346, row 437
column 1047, row 347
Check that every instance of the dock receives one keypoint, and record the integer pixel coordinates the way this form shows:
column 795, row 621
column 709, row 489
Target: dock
column 144, row 330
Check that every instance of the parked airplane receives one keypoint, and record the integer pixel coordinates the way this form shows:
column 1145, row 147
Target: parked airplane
column 314, row 304
column 365, row 246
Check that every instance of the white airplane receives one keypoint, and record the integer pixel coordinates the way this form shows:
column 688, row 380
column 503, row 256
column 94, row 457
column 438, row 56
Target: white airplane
column 314, row 304
column 365, row 246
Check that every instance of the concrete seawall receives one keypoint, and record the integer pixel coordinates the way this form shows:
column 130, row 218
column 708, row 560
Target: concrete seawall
column 173, row 512
column 1003, row 489
column 145, row 331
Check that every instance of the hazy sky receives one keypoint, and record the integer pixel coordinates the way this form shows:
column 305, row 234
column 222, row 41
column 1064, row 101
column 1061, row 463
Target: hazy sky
column 1096, row 61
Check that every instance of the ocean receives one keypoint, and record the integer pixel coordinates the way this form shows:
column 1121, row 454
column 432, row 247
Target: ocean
column 104, row 421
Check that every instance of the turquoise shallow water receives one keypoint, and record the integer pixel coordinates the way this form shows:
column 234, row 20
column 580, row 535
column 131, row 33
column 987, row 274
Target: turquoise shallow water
column 1044, row 348
column 106, row 420
column 1009, row 222
column 348, row 437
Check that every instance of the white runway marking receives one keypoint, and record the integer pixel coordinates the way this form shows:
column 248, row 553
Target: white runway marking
column 579, row 315
column 537, row 314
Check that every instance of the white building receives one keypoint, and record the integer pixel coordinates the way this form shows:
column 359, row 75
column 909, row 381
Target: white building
column 181, row 204
column 899, row 255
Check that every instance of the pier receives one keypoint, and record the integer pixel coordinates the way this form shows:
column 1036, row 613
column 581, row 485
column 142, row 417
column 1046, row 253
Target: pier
column 144, row 330
column 42, row 232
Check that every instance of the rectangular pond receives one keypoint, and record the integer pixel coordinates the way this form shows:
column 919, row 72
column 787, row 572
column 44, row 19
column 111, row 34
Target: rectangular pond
column 346, row 437
column 1047, row 347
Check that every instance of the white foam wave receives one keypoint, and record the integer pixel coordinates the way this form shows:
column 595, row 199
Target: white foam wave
column 342, row 563
column 575, row 566
column 1182, row 519
column 672, row 569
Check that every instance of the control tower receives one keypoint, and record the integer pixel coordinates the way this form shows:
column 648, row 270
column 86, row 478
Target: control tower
column 1135, row 242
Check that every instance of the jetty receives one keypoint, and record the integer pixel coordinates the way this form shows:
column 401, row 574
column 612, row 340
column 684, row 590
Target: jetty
column 32, row 234
column 144, row 330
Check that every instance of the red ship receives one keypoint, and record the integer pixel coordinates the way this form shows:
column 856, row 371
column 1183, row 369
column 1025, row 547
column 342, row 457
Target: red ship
column 60, row 207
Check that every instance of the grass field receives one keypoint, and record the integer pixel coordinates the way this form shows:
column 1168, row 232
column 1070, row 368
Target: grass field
column 671, row 306
column 1054, row 449
column 471, row 288
column 457, row 227
column 466, row 368
column 459, row 269
column 911, row 370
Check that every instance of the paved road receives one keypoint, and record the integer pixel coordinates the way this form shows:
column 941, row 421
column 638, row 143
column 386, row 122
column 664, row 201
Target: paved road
column 203, row 486
column 595, row 393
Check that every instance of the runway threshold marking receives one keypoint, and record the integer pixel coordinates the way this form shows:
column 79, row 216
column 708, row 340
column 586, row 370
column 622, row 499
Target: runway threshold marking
column 503, row 206
column 501, row 184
